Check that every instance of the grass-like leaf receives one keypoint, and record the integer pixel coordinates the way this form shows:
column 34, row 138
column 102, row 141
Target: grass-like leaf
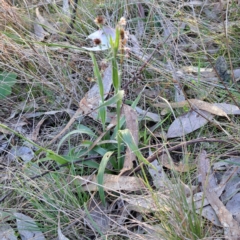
column 114, row 99
column 100, row 175
column 57, row 158
column 81, row 130
column 127, row 137
column 7, row 80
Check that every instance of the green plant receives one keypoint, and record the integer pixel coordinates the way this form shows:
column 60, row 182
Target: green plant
column 91, row 149
column 7, row 80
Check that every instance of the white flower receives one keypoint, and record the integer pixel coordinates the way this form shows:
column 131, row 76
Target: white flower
column 103, row 35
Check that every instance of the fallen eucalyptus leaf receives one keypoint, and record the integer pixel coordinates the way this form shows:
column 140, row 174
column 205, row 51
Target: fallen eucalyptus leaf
column 188, row 123
column 236, row 73
column 147, row 203
column 228, row 108
column 66, row 8
column 28, row 228
column 45, row 23
column 196, row 104
column 60, row 235
column 148, row 115
column 7, row 233
column 92, row 98
column 230, row 225
column 158, row 175
column 112, row 182
column 208, row 213
column 39, row 32
column 25, row 153
column 132, row 125
column 233, row 206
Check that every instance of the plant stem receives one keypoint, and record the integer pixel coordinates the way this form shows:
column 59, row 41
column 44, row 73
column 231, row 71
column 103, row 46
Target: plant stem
column 119, row 103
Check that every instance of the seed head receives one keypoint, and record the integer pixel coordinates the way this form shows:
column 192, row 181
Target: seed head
column 100, row 20
column 122, row 33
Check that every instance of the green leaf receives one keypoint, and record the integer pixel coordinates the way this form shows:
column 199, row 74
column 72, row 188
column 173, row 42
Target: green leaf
column 100, row 175
column 101, row 151
column 91, row 164
column 127, row 137
column 115, row 76
column 81, row 130
column 86, row 130
column 59, row 159
column 4, row 91
column 7, row 80
column 114, row 163
column 116, row 42
column 102, row 112
column 113, row 99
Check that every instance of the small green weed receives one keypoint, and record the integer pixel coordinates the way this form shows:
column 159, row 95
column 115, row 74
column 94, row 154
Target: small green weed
column 7, row 80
